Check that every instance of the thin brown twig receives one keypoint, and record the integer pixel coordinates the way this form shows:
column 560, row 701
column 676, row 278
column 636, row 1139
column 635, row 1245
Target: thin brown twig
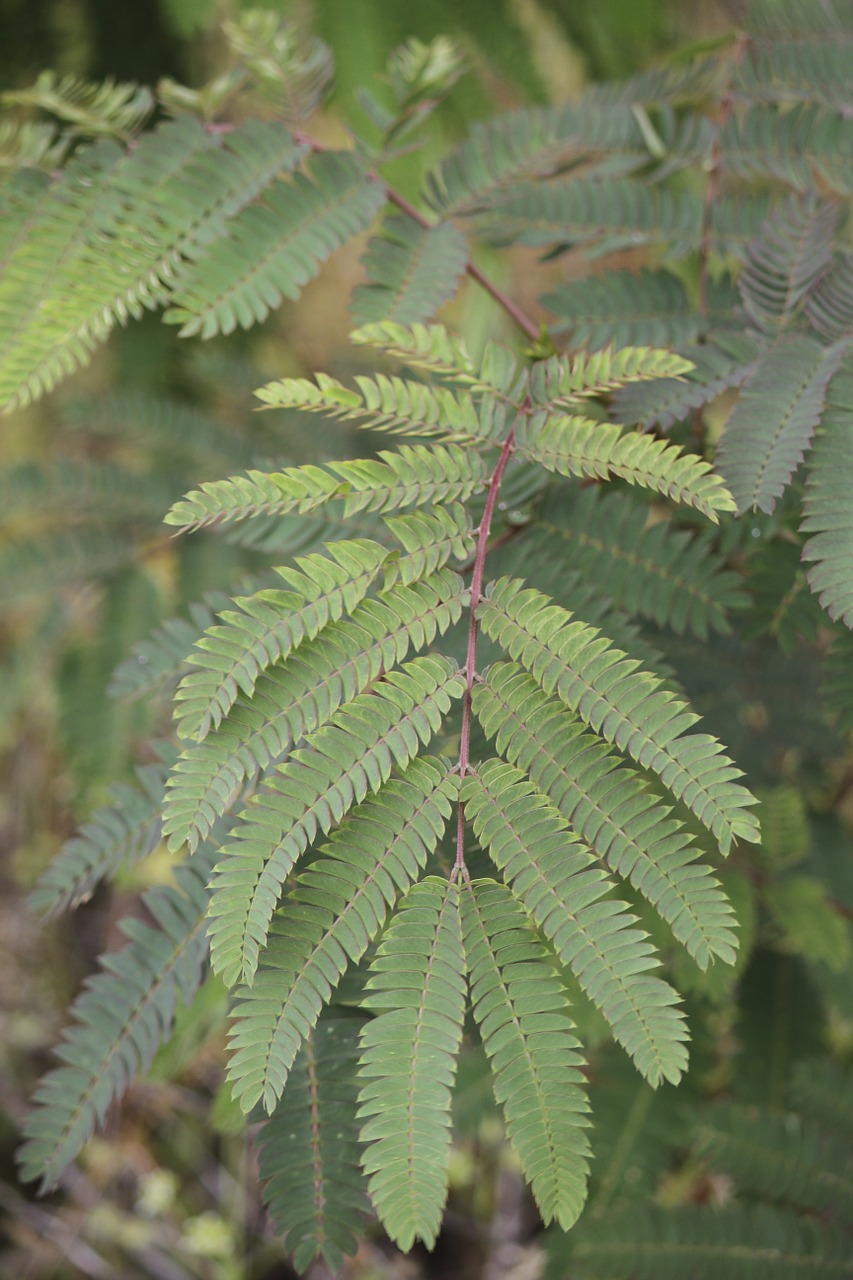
column 512, row 309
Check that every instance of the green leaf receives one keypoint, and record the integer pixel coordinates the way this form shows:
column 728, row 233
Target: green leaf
column 411, row 271
column 398, row 405
column 671, row 576
column 566, row 894
column 413, row 475
column 268, row 627
column 626, row 705
column 121, row 1018
column 344, row 761
column 63, row 290
column 781, row 1157
column 291, row 701
column 581, row 446
column 627, row 308
column 561, row 382
column 521, row 1011
column 308, row 1150
column 827, row 515
column 738, row 1242
column 608, row 808
column 791, row 254
column 120, row 833
column 328, row 919
column 271, row 250
column 408, row 1061
column 773, row 422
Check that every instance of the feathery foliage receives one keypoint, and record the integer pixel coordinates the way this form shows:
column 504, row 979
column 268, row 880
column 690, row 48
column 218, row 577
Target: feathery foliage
column 408, row 775
column 417, row 990
column 411, row 271
column 121, row 1019
column 122, row 832
column 530, row 1046
column 784, row 1166
column 308, row 1153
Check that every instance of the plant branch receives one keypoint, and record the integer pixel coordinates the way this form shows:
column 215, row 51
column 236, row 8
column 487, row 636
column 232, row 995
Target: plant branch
column 502, row 299
column 473, row 628
column 515, row 313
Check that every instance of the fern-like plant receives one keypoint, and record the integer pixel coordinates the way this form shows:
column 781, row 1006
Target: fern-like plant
column 433, row 757
column 373, row 751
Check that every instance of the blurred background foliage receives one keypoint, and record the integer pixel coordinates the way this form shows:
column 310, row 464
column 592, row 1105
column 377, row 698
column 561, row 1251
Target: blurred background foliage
column 161, row 1194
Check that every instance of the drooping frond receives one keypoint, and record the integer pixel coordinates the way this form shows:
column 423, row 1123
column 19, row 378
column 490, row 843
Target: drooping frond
column 123, row 831
column 823, row 1092
column 651, row 1243
column 352, row 756
column 62, row 292
column 521, row 1011
column 308, row 1151
column 723, row 362
column 268, row 626
column 780, row 1157
column 28, row 144
column 155, row 664
column 802, row 913
column 121, row 1019
column 411, row 271
column 540, row 141
column 617, row 212
column 270, row 251
column 801, row 18
column 292, row 701
column 334, row 911
column 609, row 808
column 796, row 147
column 626, row 705
column 735, row 221
column 782, row 605
column 162, row 425
column 560, row 382
column 413, row 475
column 79, row 490
column 829, row 306
column 787, row 71
column 668, row 575
column 773, row 422
column 408, row 1061
column 579, row 446
column 567, row 895
column 789, row 257
column 827, row 510
column 836, row 684
column 94, row 109
column 54, row 562
column 497, row 152
column 625, row 308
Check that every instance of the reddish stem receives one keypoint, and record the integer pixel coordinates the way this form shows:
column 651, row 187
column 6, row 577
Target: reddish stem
column 530, row 330
column 503, row 300
column 473, row 629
